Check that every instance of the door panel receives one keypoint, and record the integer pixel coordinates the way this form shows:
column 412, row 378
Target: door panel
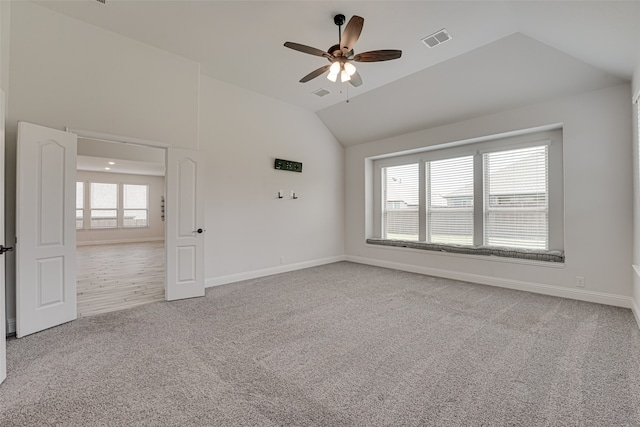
column 185, row 228
column 45, row 228
column 3, row 315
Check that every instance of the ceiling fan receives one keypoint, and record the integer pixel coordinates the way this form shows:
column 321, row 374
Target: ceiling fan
column 341, row 55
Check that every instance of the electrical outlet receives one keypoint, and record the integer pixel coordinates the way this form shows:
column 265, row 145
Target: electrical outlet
column 579, row 282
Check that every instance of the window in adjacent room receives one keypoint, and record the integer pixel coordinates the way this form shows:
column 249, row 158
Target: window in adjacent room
column 135, row 205
column 104, row 205
column 79, row 205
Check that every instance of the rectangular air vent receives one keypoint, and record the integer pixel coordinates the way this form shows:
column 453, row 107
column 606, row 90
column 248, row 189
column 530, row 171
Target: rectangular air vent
column 436, row 38
column 321, row 92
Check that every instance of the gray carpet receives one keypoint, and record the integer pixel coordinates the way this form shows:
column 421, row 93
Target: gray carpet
column 337, row 345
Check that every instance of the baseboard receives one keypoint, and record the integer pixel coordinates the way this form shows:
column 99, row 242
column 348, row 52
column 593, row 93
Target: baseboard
column 223, row 280
column 11, row 326
column 538, row 288
column 117, row 241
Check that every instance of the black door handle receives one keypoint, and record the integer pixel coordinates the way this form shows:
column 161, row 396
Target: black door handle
column 199, row 231
column 4, row 249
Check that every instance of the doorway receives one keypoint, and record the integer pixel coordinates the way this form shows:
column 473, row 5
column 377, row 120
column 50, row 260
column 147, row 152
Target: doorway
column 120, row 253
column 45, row 204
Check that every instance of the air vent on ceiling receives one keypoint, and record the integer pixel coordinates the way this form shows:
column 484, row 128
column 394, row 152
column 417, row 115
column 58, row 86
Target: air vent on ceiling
column 321, row 92
column 102, row 1
column 436, row 38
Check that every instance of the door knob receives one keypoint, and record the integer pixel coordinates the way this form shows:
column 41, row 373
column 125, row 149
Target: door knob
column 199, row 231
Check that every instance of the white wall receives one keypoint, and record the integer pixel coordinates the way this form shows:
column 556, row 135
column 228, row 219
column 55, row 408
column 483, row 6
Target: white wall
column 636, row 193
column 155, row 230
column 65, row 73
column 248, row 228
column 598, row 199
column 83, row 77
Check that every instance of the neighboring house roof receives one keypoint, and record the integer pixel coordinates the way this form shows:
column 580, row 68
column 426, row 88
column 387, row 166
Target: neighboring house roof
column 520, row 177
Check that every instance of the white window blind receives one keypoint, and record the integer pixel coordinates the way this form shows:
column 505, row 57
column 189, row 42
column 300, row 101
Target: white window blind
column 516, row 191
column 401, row 189
column 135, row 205
column 104, row 205
column 79, row 205
column 450, row 201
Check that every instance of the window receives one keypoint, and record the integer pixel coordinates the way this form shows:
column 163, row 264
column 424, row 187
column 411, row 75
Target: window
column 516, row 191
column 449, row 187
column 135, row 205
column 104, row 205
column 79, row 205
column 400, row 205
column 505, row 192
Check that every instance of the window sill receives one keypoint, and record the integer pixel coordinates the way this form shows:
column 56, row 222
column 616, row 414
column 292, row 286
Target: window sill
column 555, row 257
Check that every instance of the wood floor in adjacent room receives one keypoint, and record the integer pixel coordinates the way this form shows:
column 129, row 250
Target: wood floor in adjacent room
column 115, row 277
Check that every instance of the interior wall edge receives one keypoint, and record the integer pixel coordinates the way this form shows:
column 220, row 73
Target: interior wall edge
column 538, row 288
column 255, row 274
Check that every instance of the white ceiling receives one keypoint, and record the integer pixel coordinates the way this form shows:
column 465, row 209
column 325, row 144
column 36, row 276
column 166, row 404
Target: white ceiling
column 509, row 48
column 99, row 164
column 97, row 155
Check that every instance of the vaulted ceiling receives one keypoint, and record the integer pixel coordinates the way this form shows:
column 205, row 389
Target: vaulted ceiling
column 502, row 53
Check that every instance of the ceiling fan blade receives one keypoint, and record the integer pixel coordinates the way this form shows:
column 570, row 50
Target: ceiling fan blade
column 312, row 75
column 378, row 55
column 307, row 49
column 351, row 33
column 356, row 79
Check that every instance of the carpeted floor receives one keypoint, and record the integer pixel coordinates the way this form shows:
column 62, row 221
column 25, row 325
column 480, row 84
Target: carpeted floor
column 337, row 345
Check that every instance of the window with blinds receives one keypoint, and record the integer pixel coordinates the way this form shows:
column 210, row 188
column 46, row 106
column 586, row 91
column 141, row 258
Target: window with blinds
column 516, row 198
column 400, row 212
column 135, row 204
column 449, row 185
column 104, row 205
column 79, row 205
column 504, row 192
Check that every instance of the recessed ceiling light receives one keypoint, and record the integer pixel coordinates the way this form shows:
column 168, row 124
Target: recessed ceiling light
column 436, row 38
column 107, row 169
column 112, row 163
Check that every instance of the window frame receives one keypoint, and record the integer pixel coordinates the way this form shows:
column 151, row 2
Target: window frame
column 92, row 209
column 552, row 138
column 87, row 209
column 124, row 210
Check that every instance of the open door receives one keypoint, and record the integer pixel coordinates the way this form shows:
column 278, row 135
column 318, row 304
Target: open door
column 184, row 214
column 45, row 228
column 3, row 313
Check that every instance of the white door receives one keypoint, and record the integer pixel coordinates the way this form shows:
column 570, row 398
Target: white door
column 45, row 228
column 3, row 313
column 184, row 214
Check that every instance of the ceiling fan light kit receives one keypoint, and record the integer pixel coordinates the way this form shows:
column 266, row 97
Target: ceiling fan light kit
column 341, row 55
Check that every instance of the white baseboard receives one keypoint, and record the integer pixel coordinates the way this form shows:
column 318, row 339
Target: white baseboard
column 231, row 278
column 538, row 288
column 11, row 326
column 117, row 241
